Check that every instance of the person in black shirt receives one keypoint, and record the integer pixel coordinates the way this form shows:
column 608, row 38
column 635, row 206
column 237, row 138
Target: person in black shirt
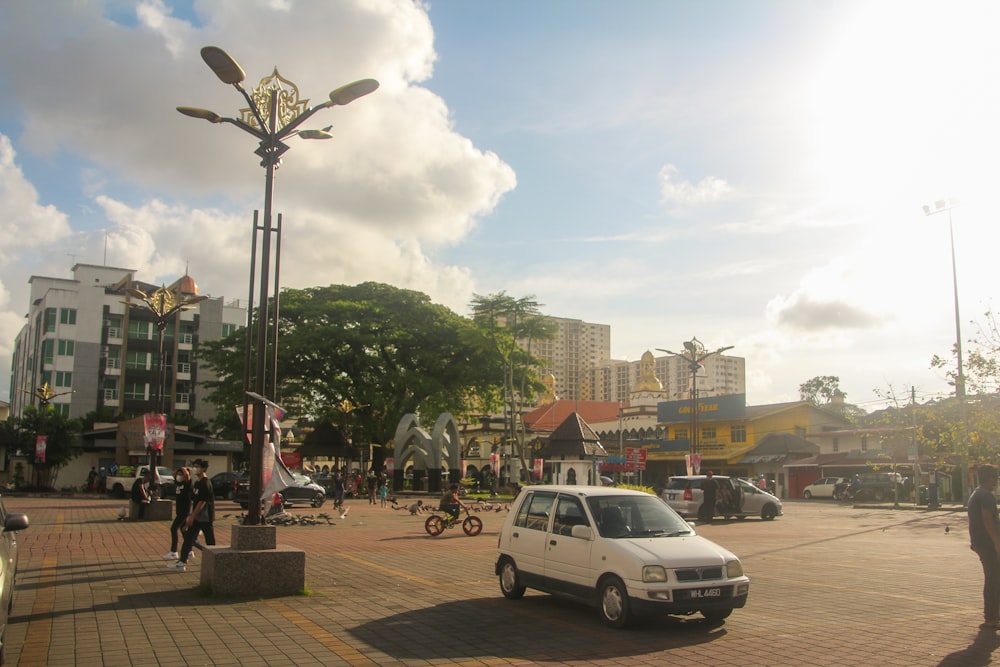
column 202, row 513
column 984, row 537
column 140, row 495
column 709, row 488
column 182, row 507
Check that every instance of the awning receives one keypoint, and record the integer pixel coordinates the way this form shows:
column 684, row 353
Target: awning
column 730, row 455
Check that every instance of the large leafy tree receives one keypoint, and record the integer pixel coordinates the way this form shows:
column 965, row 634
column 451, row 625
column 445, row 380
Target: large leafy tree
column 381, row 350
column 512, row 326
column 19, row 434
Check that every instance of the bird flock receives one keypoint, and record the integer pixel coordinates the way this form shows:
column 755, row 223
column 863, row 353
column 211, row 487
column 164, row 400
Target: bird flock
column 287, row 519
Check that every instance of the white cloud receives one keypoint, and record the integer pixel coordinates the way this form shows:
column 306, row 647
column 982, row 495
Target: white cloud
column 685, row 193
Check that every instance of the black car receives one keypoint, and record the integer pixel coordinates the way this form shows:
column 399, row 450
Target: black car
column 304, row 491
column 8, row 564
column 224, row 484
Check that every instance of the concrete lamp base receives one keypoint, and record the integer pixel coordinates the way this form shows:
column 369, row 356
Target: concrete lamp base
column 254, row 565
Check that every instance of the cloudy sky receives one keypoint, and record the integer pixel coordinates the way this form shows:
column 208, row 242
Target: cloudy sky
column 748, row 172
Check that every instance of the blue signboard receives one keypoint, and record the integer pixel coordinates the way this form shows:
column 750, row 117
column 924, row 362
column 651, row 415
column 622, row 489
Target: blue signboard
column 712, row 408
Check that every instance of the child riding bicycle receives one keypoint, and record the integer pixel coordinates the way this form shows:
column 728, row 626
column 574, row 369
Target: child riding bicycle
column 451, row 504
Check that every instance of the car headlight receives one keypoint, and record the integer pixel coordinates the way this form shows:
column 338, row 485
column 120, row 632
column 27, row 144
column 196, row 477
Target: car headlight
column 654, row 573
column 734, row 569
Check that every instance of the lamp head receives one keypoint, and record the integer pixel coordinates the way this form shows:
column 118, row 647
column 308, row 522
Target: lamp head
column 223, row 64
column 315, row 134
column 352, row 91
column 204, row 114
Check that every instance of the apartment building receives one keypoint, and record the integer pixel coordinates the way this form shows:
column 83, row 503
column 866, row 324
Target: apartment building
column 577, row 348
column 719, row 375
column 96, row 352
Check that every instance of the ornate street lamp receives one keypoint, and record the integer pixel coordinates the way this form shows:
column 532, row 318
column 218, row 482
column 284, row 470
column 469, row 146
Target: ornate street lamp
column 164, row 305
column 694, row 353
column 274, row 114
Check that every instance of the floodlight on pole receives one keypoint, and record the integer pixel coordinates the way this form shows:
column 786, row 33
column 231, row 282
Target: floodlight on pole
column 694, row 353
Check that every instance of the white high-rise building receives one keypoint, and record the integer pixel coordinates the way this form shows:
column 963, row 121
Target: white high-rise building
column 95, row 352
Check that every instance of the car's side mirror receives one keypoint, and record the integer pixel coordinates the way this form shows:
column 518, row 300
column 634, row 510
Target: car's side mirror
column 15, row 522
column 582, row 532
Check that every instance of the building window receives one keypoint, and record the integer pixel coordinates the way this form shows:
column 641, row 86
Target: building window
column 64, row 379
column 708, row 432
column 864, row 443
column 114, row 359
column 680, row 434
column 228, row 329
column 66, row 348
column 61, row 409
column 138, row 330
column 738, row 433
column 50, row 319
column 67, row 315
column 47, row 347
column 836, row 444
column 137, row 360
column 135, row 391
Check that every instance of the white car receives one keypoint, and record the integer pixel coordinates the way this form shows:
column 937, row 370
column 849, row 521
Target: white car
column 623, row 551
column 826, row 487
column 684, row 495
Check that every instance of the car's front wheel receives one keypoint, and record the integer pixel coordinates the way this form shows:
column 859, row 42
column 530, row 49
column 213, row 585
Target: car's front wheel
column 768, row 512
column 318, row 500
column 612, row 602
column 510, row 581
column 807, row 495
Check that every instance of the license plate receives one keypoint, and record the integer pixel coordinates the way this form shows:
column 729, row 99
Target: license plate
column 706, row 593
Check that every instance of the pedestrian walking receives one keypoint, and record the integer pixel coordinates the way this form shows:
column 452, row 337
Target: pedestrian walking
column 202, row 513
column 182, row 508
column 984, row 537
column 383, row 492
column 92, row 480
column 371, row 485
column 709, row 489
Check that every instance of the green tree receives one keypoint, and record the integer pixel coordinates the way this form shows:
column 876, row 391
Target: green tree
column 823, row 387
column 512, row 326
column 385, row 351
column 19, row 434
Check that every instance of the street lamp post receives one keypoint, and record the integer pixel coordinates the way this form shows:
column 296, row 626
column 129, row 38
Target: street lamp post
column 694, row 353
column 163, row 305
column 274, row 114
column 941, row 206
column 44, row 394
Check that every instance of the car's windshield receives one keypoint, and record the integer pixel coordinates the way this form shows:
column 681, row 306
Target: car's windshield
column 636, row 516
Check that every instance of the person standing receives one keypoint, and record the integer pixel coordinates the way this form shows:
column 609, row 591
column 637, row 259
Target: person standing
column 140, row 495
column 709, row 489
column 201, row 516
column 984, row 538
column 371, row 485
column 383, row 491
column 338, row 489
column 182, row 508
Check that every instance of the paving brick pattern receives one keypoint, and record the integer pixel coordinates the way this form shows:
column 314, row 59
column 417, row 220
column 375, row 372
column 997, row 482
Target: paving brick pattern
column 831, row 585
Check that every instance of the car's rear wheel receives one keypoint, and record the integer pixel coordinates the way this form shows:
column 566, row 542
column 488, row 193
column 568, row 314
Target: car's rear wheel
column 510, row 581
column 612, row 602
column 318, row 500
column 768, row 512
column 716, row 615
column 807, row 495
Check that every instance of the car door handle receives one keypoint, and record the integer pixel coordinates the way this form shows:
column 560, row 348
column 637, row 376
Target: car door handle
column 513, row 534
column 552, row 543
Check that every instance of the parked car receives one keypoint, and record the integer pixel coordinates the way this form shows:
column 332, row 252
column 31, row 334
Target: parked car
column 625, row 552
column 12, row 523
column 826, row 487
column 224, row 484
column 303, row 491
column 684, row 494
column 121, row 485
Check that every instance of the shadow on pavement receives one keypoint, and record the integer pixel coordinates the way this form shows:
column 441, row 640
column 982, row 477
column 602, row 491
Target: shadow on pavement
column 546, row 628
column 979, row 652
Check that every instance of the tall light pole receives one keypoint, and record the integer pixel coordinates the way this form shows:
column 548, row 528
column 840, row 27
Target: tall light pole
column 163, row 305
column 44, row 394
column 941, row 206
column 274, row 114
column 694, row 353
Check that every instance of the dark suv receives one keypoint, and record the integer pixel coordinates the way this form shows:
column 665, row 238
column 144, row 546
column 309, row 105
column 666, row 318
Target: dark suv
column 224, row 484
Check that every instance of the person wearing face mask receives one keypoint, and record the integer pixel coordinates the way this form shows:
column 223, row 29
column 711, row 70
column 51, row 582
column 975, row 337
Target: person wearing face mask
column 200, row 518
column 182, row 507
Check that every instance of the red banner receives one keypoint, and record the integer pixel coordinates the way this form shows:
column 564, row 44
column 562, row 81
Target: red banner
column 156, row 430
column 291, row 459
column 40, row 443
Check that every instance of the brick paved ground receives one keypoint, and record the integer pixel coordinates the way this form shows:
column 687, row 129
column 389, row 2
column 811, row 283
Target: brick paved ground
column 831, row 585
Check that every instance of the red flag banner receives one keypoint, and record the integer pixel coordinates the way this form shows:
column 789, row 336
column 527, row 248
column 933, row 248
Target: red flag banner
column 40, row 444
column 155, row 430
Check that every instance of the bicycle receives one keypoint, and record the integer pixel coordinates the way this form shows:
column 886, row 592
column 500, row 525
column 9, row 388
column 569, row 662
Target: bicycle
column 436, row 524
